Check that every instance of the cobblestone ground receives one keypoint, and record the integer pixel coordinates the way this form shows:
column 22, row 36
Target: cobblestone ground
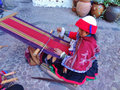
column 12, row 57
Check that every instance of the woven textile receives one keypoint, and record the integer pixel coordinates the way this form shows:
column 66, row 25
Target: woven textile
column 2, row 78
column 32, row 35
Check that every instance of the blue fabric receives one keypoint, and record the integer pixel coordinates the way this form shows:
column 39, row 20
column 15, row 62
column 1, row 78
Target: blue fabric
column 88, row 35
column 68, row 33
column 1, row 2
column 90, row 28
column 5, row 71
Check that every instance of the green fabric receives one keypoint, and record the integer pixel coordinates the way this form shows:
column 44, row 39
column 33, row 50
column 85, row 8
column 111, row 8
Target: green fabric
column 90, row 79
column 52, row 69
column 67, row 33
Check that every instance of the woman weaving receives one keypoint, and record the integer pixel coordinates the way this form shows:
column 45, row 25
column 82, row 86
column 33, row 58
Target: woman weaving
column 80, row 63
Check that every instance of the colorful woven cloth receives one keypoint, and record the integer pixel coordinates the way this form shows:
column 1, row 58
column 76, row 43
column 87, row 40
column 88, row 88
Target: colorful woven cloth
column 0, row 81
column 32, row 35
column 2, row 77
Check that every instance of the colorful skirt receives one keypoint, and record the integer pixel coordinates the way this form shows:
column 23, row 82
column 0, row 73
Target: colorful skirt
column 70, row 76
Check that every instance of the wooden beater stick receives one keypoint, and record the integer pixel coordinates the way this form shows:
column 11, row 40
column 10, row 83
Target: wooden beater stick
column 54, row 58
column 38, row 50
column 9, row 80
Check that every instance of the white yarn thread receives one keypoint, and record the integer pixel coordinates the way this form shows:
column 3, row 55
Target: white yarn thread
column 62, row 32
column 71, row 45
column 63, row 53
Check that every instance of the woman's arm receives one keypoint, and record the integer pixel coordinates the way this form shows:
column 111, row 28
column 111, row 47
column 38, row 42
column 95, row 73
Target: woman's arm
column 60, row 53
column 69, row 34
column 72, row 35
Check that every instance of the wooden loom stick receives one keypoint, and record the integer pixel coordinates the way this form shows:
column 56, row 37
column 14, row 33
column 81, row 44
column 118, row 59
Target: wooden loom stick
column 3, row 9
column 9, row 80
column 38, row 50
column 46, row 70
column 47, row 79
column 3, row 46
column 53, row 80
column 53, row 75
column 54, row 58
column 8, row 74
column 35, row 59
column 11, row 15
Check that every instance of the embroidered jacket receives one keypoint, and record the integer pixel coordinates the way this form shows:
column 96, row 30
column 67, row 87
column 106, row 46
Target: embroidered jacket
column 84, row 52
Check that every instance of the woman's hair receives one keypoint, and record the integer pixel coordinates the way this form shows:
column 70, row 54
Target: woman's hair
column 95, row 37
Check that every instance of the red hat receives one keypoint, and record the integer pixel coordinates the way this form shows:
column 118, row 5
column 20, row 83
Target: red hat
column 87, row 24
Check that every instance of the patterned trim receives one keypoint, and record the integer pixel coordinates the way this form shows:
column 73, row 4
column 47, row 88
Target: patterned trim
column 74, row 82
column 69, row 67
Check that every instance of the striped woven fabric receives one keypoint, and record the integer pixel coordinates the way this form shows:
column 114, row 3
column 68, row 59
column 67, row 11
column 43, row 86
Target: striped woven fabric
column 2, row 77
column 32, row 35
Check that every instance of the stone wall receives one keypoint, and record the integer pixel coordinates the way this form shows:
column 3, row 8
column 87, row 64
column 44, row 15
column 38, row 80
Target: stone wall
column 53, row 3
column 11, row 4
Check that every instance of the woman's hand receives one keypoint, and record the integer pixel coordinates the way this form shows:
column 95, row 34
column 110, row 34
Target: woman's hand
column 57, row 51
column 59, row 29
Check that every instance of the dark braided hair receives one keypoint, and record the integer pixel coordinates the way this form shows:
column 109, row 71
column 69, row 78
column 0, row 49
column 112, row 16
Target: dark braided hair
column 94, row 35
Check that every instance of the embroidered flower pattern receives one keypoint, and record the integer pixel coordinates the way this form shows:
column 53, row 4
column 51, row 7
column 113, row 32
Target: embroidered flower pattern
column 84, row 58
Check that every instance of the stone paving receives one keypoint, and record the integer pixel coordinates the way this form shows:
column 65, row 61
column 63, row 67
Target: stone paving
column 12, row 57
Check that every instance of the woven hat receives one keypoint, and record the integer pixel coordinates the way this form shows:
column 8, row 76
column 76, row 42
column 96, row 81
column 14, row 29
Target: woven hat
column 87, row 24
